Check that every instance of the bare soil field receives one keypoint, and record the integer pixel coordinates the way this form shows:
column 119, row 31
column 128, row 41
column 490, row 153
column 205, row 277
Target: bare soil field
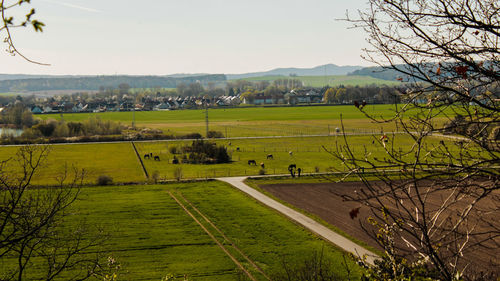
column 324, row 201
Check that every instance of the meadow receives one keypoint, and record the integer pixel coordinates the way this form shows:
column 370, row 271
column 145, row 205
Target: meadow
column 151, row 235
column 330, row 80
column 252, row 121
column 311, row 154
column 121, row 163
column 117, row 160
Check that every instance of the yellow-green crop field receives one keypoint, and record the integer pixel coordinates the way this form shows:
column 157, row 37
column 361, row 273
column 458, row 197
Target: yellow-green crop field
column 253, row 121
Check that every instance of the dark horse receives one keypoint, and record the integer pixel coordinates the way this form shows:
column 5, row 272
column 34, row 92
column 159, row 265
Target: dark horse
column 157, row 158
column 146, row 156
column 291, row 169
column 252, row 162
column 270, row 156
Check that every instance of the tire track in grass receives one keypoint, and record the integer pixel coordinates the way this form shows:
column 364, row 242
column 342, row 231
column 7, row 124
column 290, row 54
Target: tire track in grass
column 225, row 237
column 140, row 160
column 213, row 237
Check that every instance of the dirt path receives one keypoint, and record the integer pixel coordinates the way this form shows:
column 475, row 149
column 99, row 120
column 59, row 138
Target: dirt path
column 213, row 238
column 326, row 233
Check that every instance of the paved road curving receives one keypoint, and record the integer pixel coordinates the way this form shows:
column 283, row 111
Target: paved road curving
column 326, row 233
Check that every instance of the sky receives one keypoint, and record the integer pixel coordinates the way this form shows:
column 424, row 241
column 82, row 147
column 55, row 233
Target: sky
column 159, row 37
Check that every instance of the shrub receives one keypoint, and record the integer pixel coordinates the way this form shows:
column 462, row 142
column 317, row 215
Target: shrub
column 215, row 135
column 313, row 267
column 262, row 172
column 46, row 128
column 192, row 136
column 173, row 149
column 104, row 180
column 178, row 173
column 155, row 176
column 203, row 152
column 175, row 160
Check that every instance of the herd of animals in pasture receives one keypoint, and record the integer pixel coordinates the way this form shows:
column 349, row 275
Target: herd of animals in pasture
column 292, row 168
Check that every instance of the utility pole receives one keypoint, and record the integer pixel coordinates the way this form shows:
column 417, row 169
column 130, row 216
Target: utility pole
column 133, row 118
column 206, row 120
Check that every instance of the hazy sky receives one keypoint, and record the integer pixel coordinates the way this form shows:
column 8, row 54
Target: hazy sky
column 186, row 36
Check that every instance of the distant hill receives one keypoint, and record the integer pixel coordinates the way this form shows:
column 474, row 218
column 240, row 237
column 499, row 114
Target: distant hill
column 330, row 80
column 322, row 70
column 377, row 72
column 95, row 82
column 29, row 76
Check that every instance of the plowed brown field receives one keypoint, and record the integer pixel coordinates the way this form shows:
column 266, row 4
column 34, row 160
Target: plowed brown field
column 324, row 201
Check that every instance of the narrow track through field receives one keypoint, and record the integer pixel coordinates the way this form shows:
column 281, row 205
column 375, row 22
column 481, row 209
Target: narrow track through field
column 213, row 238
column 226, row 238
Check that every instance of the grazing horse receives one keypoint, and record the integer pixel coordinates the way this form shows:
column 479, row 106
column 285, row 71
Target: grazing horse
column 291, row 169
column 262, row 165
column 237, row 149
column 157, row 158
column 146, row 156
column 290, row 152
column 270, row 156
column 252, row 162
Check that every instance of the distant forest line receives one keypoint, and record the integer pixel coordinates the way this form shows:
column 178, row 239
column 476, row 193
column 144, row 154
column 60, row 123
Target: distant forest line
column 99, row 82
column 20, row 83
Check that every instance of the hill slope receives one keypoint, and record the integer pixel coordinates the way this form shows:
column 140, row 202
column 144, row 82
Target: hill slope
column 322, row 70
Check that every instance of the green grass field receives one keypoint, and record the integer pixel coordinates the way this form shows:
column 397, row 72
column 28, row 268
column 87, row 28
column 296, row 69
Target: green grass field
column 330, row 80
column 117, row 160
column 308, row 153
column 254, row 121
column 152, row 236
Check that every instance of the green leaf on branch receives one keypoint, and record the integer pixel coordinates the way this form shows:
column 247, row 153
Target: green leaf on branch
column 37, row 25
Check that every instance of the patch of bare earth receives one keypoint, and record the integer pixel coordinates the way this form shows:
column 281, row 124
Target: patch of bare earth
column 324, row 201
